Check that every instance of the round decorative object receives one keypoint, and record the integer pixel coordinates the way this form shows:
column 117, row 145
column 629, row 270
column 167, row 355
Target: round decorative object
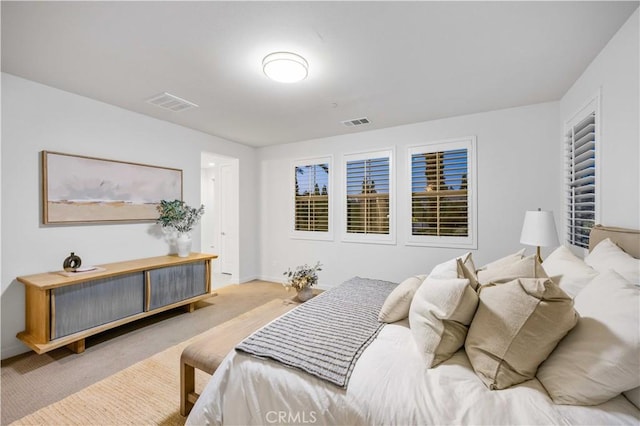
column 305, row 294
column 72, row 263
column 285, row 67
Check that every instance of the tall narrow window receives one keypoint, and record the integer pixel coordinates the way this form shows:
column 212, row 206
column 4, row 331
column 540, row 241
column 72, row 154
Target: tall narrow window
column 442, row 187
column 311, row 218
column 369, row 197
column 581, row 182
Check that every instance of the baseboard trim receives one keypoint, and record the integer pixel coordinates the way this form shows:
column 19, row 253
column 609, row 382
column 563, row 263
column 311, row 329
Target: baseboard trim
column 247, row 279
column 278, row 280
column 13, row 350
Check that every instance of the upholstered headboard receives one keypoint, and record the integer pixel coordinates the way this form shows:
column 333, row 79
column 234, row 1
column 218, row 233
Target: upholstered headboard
column 627, row 239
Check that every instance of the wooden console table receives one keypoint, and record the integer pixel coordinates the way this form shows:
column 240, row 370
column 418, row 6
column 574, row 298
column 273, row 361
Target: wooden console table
column 64, row 310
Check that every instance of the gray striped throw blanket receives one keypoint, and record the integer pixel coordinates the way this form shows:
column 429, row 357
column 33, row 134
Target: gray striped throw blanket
column 326, row 335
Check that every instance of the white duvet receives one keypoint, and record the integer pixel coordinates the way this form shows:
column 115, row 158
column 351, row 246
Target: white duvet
column 389, row 386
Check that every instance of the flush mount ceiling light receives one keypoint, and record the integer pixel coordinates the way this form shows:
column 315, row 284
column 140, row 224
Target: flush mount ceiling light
column 285, row 67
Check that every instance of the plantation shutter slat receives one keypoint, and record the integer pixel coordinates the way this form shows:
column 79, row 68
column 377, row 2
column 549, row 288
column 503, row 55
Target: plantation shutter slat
column 311, row 211
column 367, row 184
column 581, row 180
column 439, row 196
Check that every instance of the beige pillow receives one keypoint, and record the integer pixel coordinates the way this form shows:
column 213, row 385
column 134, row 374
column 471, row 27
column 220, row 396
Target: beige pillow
column 527, row 267
column 467, row 269
column 467, row 260
column 439, row 316
column 396, row 306
column 600, row 358
column 504, row 261
column 633, row 395
column 567, row 270
column 515, row 328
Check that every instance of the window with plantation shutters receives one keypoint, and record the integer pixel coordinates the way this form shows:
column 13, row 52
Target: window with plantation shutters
column 580, row 178
column 443, row 209
column 369, row 197
column 312, row 198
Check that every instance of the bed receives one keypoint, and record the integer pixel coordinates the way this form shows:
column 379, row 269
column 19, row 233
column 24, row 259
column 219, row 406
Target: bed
column 390, row 384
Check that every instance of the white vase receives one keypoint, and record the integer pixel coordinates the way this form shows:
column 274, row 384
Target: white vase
column 305, row 294
column 183, row 243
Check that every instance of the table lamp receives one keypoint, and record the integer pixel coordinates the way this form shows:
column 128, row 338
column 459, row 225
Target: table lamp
column 539, row 229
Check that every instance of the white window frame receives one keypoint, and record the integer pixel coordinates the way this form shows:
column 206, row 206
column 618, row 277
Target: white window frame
column 592, row 105
column 310, row 235
column 389, row 238
column 471, row 240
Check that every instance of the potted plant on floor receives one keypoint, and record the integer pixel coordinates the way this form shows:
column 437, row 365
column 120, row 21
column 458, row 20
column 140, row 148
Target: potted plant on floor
column 302, row 278
column 179, row 218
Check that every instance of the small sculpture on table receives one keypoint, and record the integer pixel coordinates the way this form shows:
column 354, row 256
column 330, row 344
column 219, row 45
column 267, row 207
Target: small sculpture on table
column 72, row 262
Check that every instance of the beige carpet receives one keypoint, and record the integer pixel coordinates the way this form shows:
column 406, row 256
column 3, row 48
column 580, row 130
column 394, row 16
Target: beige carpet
column 31, row 382
column 143, row 394
column 147, row 393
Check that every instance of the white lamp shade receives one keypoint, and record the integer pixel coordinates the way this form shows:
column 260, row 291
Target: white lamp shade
column 539, row 229
column 285, row 67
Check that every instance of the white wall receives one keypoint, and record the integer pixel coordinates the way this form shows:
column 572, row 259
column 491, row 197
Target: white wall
column 615, row 72
column 518, row 170
column 35, row 118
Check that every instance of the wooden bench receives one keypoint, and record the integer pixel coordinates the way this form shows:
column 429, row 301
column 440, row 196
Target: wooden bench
column 208, row 351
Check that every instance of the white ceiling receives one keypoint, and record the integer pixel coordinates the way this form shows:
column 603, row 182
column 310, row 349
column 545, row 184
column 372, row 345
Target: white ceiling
column 393, row 62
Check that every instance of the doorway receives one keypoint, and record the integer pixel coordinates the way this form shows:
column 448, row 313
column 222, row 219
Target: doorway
column 220, row 223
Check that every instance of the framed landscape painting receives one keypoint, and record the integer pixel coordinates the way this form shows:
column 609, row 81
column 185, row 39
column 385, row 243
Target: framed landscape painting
column 79, row 189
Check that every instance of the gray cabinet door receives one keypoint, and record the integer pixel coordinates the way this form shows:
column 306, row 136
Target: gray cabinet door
column 83, row 306
column 175, row 283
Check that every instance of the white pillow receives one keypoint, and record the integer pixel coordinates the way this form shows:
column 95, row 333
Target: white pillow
column 606, row 255
column 440, row 314
column 567, row 270
column 600, row 357
column 448, row 269
column 396, row 306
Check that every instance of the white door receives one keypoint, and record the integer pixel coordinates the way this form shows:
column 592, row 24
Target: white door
column 226, row 232
column 209, row 234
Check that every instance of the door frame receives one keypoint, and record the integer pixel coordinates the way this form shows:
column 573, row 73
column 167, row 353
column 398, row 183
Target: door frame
column 213, row 190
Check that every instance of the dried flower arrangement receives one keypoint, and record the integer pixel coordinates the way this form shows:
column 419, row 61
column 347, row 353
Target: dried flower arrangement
column 302, row 276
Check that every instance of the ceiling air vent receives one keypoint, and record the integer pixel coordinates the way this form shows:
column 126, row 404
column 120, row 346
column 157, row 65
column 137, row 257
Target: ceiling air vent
column 171, row 102
column 356, row 122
